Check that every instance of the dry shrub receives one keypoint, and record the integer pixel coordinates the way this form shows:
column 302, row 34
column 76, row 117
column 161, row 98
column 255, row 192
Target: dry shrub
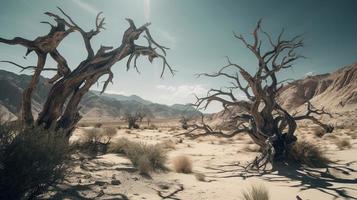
column 168, row 144
column 256, row 192
column 182, row 164
column 145, row 157
column 152, row 127
column 110, row 131
column 31, row 160
column 96, row 140
column 119, row 146
column 98, row 125
column 343, row 143
column 318, row 132
column 307, row 154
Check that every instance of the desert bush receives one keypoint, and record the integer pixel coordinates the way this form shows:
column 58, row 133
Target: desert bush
column 152, row 127
column 96, row 140
column 110, row 131
column 31, row 160
column 182, row 164
column 168, row 144
column 343, row 143
column 145, row 157
column 256, row 192
column 318, row 132
column 119, row 146
column 307, row 154
column 98, row 125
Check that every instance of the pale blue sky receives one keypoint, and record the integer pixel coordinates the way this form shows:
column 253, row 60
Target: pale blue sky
column 199, row 33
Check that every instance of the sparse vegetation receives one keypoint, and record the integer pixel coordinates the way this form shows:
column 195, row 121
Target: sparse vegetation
column 308, row 154
column 182, row 164
column 152, row 127
column 96, row 140
column 98, row 125
column 145, row 157
column 318, row 132
column 168, row 144
column 256, row 192
column 31, row 160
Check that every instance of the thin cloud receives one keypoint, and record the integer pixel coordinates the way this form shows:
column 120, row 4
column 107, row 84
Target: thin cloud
column 87, row 7
column 181, row 93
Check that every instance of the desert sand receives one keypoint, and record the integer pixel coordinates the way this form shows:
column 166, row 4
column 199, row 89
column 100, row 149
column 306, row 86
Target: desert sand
column 110, row 176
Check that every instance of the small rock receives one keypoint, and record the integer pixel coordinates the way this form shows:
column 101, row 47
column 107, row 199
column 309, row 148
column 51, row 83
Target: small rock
column 115, row 182
column 100, row 183
column 101, row 193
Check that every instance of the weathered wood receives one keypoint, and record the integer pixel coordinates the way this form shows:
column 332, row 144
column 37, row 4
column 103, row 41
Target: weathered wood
column 267, row 123
column 61, row 106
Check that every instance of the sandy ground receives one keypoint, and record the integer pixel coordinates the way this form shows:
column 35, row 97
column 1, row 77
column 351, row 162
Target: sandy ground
column 92, row 178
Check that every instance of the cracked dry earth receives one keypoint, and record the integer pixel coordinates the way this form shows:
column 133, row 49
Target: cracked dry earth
column 112, row 176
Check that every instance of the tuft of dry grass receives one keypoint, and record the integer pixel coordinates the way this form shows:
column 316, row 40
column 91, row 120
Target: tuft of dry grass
column 145, row 157
column 182, row 164
column 152, row 127
column 343, row 143
column 308, row 154
column 318, row 132
column 98, row 125
column 96, row 140
column 256, row 192
column 110, row 131
column 168, row 144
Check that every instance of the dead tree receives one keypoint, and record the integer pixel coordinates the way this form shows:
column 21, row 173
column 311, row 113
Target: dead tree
column 267, row 123
column 133, row 119
column 184, row 122
column 69, row 86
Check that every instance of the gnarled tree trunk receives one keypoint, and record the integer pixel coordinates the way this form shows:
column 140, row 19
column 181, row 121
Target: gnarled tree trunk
column 267, row 123
column 69, row 86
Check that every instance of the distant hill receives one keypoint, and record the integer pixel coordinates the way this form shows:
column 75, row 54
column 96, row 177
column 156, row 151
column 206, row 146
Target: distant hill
column 93, row 105
column 336, row 92
column 120, row 97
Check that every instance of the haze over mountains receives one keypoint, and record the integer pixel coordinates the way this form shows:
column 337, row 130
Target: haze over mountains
column 336, row 91
column 93, row 104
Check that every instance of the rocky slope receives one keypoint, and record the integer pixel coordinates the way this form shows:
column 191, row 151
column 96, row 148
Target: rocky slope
column 336, row 91
column 93, row 105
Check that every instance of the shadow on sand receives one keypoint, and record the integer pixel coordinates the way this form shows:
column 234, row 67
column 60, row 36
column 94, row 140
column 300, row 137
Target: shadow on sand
column 321, row 179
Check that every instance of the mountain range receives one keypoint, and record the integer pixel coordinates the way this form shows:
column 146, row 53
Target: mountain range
column 93, row 104
column 336, row 92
